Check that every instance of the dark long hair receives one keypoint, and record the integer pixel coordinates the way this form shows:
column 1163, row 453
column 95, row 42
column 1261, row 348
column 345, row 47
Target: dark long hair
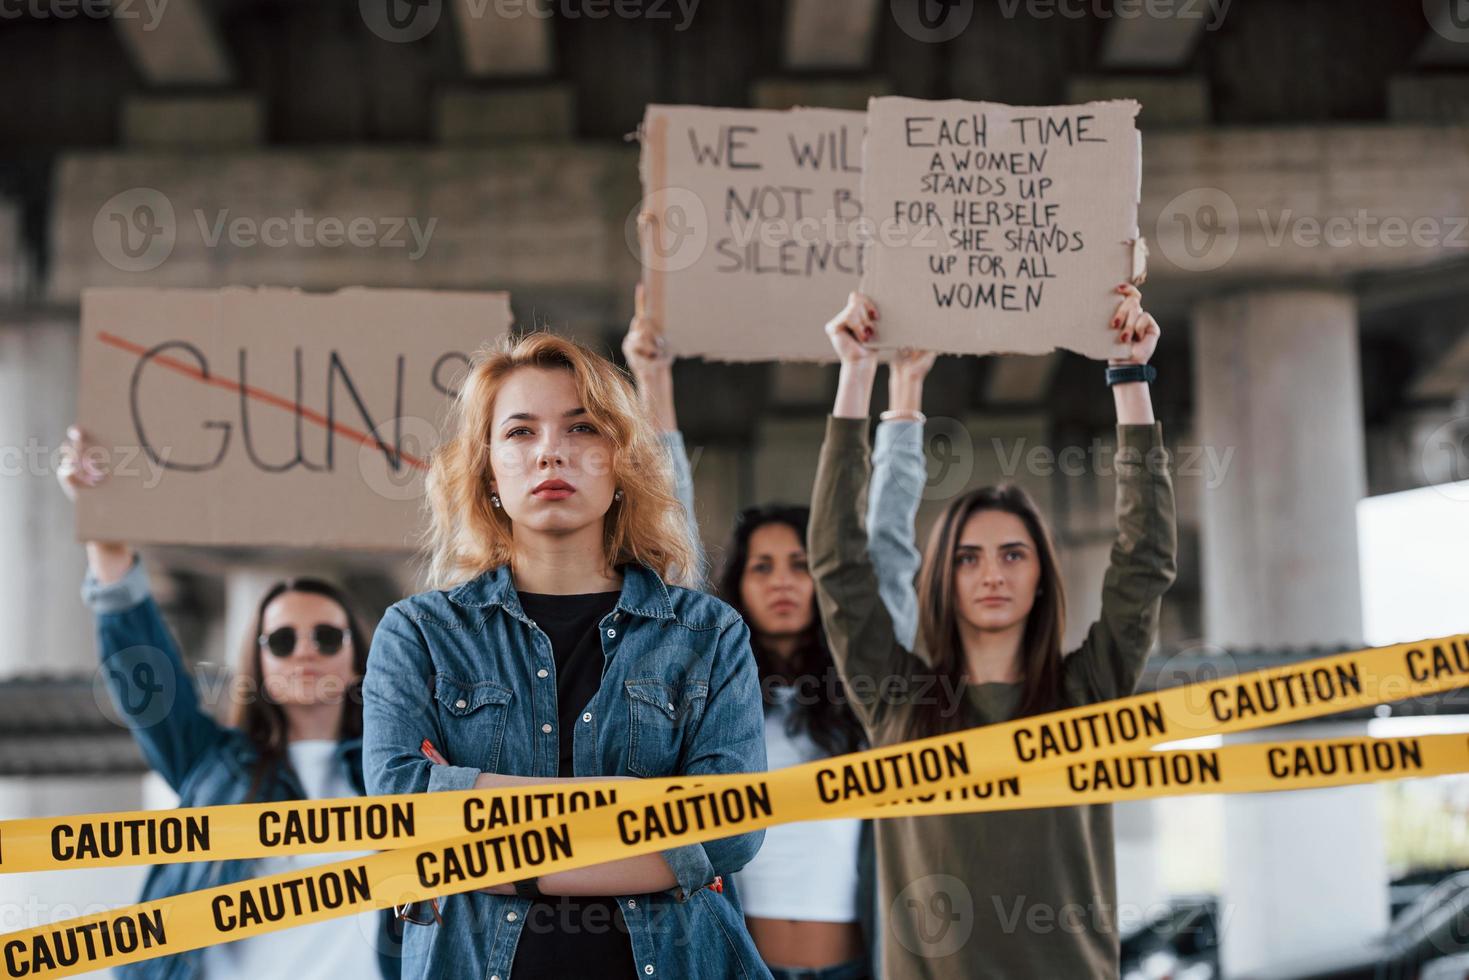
column 828, row 720
column 264, row 721
column 938, row 621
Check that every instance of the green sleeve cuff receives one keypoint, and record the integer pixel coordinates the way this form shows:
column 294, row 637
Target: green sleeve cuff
column 847, row 434
column 1142, row 437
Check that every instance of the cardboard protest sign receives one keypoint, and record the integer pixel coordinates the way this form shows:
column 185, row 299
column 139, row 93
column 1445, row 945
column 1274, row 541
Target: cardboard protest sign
column 999, row 228
column 753, row 247
column 270, row 416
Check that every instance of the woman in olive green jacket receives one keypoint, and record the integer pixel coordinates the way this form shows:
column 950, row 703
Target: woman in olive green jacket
column 1012, row 894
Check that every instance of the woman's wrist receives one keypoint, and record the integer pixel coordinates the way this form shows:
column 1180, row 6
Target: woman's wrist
column 655, row 392
column 905, row 394
column 109, row 561
column 854, row 389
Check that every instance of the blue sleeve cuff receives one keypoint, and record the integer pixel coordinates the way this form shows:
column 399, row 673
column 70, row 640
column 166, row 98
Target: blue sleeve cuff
column 898, row 435
column 119, row 596
column 449, row 778
column 690, row 865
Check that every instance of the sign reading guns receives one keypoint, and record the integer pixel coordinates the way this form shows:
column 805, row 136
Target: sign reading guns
column 270, row 416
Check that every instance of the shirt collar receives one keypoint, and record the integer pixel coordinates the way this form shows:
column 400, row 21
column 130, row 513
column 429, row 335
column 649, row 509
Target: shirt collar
column 643, row 592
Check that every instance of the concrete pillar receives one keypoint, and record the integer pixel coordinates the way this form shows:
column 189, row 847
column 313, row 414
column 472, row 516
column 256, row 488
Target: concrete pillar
column 39, row 580
column 1277, row 380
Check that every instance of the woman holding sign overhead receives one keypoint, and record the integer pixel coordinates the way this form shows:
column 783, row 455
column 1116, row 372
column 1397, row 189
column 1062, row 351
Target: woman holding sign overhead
column 809, row 895
column 295, row 733
column 554, row 650
column 1026, row 893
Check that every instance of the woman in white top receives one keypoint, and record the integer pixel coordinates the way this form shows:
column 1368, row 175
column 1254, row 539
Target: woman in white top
column 809, row 894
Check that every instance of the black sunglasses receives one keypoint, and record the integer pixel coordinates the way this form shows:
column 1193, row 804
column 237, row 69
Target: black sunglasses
column 282, row 642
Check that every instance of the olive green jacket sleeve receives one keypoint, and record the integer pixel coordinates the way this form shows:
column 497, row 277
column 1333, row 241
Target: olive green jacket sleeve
column 875, row 669
column 1143, row 565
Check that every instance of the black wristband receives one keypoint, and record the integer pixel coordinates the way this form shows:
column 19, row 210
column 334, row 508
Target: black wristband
column 529, row 888
column 1120, row 374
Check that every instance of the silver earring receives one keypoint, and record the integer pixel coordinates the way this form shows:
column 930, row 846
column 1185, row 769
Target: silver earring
column 617, row 495
column 495, row 500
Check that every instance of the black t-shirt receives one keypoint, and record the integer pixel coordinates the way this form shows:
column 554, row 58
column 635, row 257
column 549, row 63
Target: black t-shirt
column 564, row 936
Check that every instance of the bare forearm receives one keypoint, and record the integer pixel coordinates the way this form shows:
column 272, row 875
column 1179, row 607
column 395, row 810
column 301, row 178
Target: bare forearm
column 854, row 390
column 497, row 780
column 629, row 876
column 905, row 394
column 1134, row 402
column 655, row 391
column 109, row 561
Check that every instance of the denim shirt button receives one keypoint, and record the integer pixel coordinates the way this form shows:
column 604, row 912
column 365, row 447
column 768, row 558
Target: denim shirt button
column 611, row 634
column 546, row 729
column 543, row 672
column 632, row 903
column 648, row 969
column 460, row 703
column 511, row 916
column 587, row 716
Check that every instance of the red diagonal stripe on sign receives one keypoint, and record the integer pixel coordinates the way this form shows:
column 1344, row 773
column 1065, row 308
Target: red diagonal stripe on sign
column 259, row 394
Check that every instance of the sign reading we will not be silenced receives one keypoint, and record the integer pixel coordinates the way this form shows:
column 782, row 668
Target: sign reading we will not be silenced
column 271, row 416
column 1001, row 228
column 753, row 246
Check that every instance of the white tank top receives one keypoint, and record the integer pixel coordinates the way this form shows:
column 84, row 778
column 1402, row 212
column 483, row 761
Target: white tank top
column 342, row 947
column 805, row 871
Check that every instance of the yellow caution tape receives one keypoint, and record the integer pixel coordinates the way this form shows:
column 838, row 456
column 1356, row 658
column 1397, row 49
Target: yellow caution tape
column 1092, row 754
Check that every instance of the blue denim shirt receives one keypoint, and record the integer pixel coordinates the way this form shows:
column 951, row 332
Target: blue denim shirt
column 206, row 763
column 468, row 670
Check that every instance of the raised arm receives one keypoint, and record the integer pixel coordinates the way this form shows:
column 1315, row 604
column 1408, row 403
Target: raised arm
column 858, row 626
column 1144, row 555
column 141, row 664
column 651, row 362
column 898, row 478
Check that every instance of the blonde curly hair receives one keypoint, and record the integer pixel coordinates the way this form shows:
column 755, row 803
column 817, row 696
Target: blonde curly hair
column 468, row 536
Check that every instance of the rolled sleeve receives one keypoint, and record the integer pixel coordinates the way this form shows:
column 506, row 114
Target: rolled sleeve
column 691, row 867
column 441, row 778
column 119, row 596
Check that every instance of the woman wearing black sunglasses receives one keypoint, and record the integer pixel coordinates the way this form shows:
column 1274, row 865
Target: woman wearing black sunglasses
column 294, row 732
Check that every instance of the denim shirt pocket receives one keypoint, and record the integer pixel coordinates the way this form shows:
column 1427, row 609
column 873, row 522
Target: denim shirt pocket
column 659, row 715
column 475, row 720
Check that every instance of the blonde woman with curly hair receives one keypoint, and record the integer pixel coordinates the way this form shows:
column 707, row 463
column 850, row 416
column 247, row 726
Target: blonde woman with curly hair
column 554, row 649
